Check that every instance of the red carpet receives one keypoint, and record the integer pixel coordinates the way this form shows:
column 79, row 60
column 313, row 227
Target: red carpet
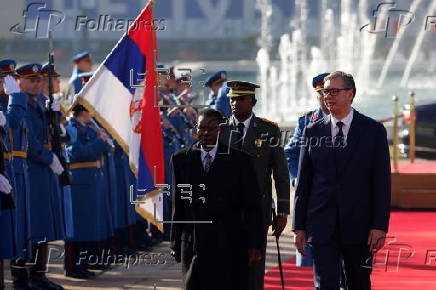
column 408, row 260
column 422, row 167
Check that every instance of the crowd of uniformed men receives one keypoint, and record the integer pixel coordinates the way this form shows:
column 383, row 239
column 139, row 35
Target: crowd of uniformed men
column 92, row 213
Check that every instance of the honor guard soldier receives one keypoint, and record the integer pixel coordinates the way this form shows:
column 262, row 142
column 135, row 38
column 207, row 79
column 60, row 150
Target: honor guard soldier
column 65, row 138
column 292, row 149
column 18, row 137
column 9, row 84
column 218, row 93
column 91, row 216
column 82, row 63
column 46, row 214
column 261, row 139
column 10, row 246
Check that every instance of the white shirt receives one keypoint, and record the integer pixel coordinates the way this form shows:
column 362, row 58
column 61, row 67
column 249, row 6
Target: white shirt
column 347, row 123
column 246, row 124
column 212, row 153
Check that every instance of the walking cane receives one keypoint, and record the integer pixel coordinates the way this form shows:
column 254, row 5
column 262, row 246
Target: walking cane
column 2, row 276
column 279, row 258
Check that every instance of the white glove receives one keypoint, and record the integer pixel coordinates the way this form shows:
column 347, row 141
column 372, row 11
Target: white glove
column 56, row 105
column 5, row 186
column 63, row 130
column 10, row 85
column 2, row 119
column 56, row 165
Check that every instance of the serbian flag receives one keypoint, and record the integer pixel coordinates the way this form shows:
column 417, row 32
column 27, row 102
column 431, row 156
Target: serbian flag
column 122, row 95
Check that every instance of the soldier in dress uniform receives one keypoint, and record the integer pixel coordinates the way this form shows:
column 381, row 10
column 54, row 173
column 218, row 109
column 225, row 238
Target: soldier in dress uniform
column 292, row 149
column 18, row 137
column 89, row 193
column 46, row 216
column 82, row 63
column 10, row 247
column 218, row 99
column 65, row 191
column 261, row 138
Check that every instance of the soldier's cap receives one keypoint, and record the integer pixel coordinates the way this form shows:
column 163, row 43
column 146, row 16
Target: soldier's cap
column 78, row 57
column 239, row 88
column 7, row 67
column 85, row 76
column 216, row 77
column 44, row 70
column 32, row 70
column 79, row 108
column 318, row 81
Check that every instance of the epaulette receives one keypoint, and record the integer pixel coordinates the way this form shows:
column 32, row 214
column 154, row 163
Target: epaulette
column 304, row 114
column 269, row 122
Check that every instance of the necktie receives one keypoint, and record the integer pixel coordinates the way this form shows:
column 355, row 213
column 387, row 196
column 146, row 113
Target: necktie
column 240, row 135
column 207, row 161
column 339, row 138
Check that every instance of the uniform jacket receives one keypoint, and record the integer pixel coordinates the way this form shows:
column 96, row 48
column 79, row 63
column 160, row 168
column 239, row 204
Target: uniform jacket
column 263, row 143
column 292, row 149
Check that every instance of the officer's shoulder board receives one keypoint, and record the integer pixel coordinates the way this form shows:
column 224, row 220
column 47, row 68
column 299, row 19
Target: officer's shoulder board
column 268, row 121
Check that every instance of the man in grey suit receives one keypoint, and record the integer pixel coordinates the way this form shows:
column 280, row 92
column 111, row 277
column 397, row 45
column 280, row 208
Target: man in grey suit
column 261, row 139
column 342, row 199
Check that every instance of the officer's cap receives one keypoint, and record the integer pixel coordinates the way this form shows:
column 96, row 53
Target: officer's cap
column 239, row 88
column 32, row 70
column 7, row 67
column 318, row 81
column 78, row 57
column 216, row 77
column 44, row 70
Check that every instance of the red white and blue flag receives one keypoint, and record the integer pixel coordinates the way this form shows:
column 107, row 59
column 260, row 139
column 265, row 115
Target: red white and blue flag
column 121, row 94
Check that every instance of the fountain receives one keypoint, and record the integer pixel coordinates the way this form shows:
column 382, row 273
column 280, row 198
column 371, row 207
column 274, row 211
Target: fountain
column 286, row 82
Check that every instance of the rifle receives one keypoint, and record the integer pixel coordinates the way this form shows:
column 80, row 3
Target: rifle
column 54, row 120
column 278, row 250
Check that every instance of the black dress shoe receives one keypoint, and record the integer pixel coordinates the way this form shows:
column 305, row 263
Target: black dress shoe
column 22, row 286
column 40, row 281
column 80, row 273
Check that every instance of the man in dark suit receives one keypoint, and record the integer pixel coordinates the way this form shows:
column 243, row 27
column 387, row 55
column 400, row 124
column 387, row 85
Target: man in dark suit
column 261, row 139
column 342, row 200
column 215, row 231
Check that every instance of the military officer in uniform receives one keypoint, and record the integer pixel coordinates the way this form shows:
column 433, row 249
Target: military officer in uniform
column 261, row 139
column 292, row 149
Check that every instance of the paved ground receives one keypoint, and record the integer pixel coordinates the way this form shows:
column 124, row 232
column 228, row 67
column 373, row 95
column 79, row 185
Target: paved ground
column 152, row 270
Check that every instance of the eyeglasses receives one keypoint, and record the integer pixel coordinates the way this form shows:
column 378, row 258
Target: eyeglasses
column 333, row 92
